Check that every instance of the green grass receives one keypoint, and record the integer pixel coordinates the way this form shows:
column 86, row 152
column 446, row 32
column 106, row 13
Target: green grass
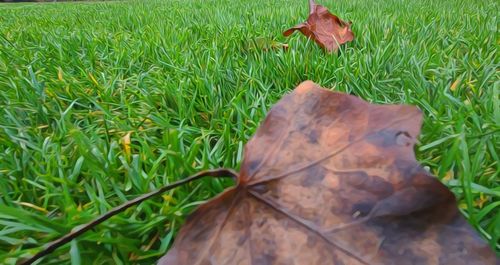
column 76, row 77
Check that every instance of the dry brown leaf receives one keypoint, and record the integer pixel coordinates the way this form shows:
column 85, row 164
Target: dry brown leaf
column 265, row 44
column 326, row 29
column 331, row 179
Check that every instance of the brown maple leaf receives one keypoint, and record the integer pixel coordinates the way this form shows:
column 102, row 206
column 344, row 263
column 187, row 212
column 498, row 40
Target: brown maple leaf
column 326, row 29
column 331, row 179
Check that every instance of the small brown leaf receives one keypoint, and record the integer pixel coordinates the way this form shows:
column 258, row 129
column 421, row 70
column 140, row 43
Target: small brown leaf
column 453, row 86
column 265, row 44
column 331, row 179
column 326, row 29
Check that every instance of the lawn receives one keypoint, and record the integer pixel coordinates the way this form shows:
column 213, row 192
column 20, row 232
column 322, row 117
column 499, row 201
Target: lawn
column 183, row 80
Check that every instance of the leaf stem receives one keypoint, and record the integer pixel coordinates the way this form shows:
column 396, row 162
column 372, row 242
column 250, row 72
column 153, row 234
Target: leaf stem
column 50, row 247
column 312, row 4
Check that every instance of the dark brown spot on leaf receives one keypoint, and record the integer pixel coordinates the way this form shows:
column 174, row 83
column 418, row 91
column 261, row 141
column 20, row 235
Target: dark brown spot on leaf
column 314, row 176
